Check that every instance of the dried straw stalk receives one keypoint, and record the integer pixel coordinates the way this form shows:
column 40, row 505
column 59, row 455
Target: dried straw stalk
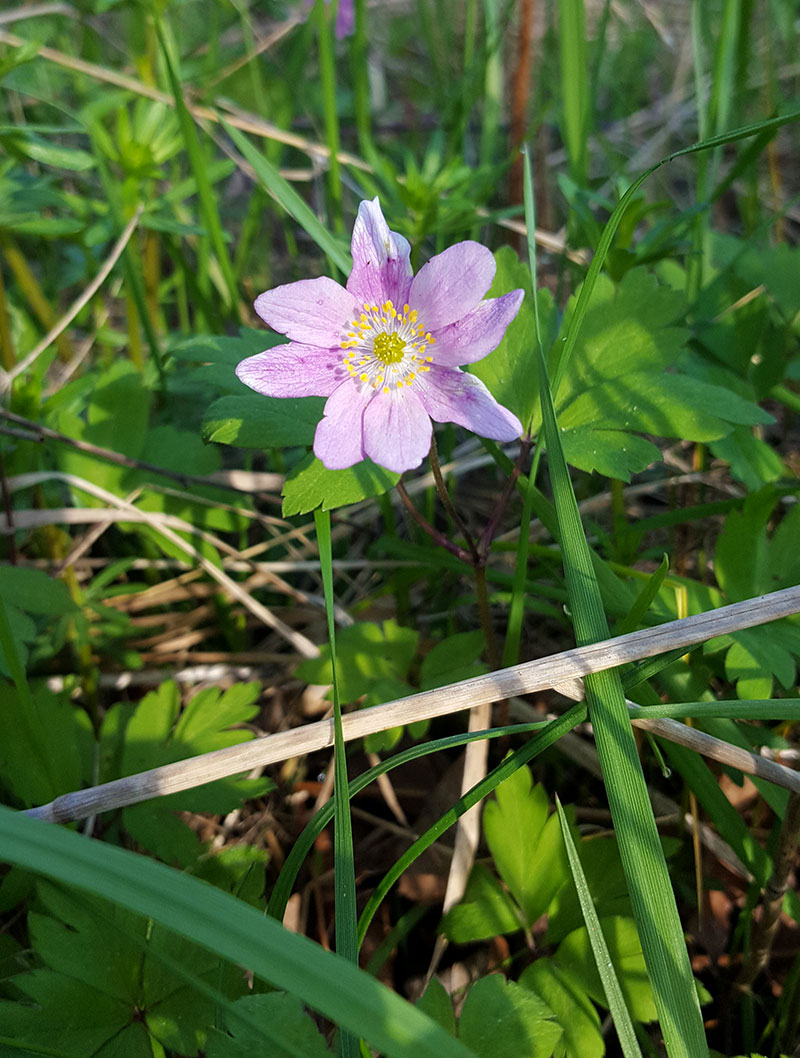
column 558, row 670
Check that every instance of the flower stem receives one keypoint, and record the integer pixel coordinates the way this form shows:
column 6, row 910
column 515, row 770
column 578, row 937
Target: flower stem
column 492, row 652
column 447, row 503
column 485, row 542
column 434, row 534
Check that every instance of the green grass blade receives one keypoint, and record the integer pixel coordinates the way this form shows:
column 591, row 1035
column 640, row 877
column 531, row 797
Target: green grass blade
column 574, row 87
column 199, row 164
column 325, row 17
column 346, row 913
column 550, row 735
column 232, row 929
column 283, row 192
column 303, row 845
column 645, row 597
column 640, row 848
column 602, row 958
column 763, row 709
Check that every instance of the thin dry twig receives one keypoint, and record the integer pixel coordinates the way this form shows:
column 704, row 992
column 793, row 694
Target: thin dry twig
column 7, row 377
column 40, row 433
column 302, row 644
column 531, row 676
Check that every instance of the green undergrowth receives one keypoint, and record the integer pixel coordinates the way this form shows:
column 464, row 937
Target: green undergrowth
column 181, row 574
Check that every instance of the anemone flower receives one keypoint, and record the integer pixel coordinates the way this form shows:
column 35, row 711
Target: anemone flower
column 386, row 350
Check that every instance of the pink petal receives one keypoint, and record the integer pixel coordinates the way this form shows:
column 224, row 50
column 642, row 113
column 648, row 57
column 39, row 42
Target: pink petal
column 478, row 333
column 313, row 311
column 293, row 370
column 397, row 430
column 345, row 19
column 381, row 265
column 451, row 284
column 450, row 395
column 338, row 440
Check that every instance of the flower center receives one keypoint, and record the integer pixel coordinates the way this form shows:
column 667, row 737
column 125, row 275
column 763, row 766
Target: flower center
column 386, row 348
column 389, row 348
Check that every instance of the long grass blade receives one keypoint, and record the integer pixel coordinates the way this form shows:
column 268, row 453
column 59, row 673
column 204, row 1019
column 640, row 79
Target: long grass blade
column 346, row 914
column 640, row 848
column 575, row 87
column 283, row 192
column 199, row 164
column 602, row 958
column 231, row 928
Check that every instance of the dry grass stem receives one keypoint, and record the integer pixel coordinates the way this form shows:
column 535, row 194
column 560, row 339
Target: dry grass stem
column 531, row 676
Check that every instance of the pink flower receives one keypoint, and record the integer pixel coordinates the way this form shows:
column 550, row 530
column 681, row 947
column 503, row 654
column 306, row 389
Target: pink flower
column 345, row 17
column 386, row 351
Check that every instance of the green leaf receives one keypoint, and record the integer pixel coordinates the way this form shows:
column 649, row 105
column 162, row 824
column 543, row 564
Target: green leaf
column 575, row 963
column 287, row 1020
column 255, row 421
column 23, row 631
column 527, row 847
column 310, row 485
column 365, row 652
column 48, row 153
column 437, row 1004
column 750, row 459
column 46, row 754
column 233, row 930
column 33, row 591
column 501, row 1019
column 453, row 659
column 612, row 994
column 666, row 405
column 155, row 733
column 605, row 878
column 106, row 980
column 624, row 379
column 383, row 690
column 612, row 453
column 573, row 1010
column 486, row 910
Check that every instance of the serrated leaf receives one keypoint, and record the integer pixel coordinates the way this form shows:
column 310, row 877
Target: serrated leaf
column 438, row 1005
column 576, row 964
column 574, row 1012
column 527, row 847
column 106, row 986
column 40, row 755
column 255, row 421
column 453, row 659
column 365, row 652
column 157, row 733
column 33, row 591
column 612, row 453
column 310, row 485
column 501, row 1019
column 486, row 910
column 291, row 1030
column 626, row 377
